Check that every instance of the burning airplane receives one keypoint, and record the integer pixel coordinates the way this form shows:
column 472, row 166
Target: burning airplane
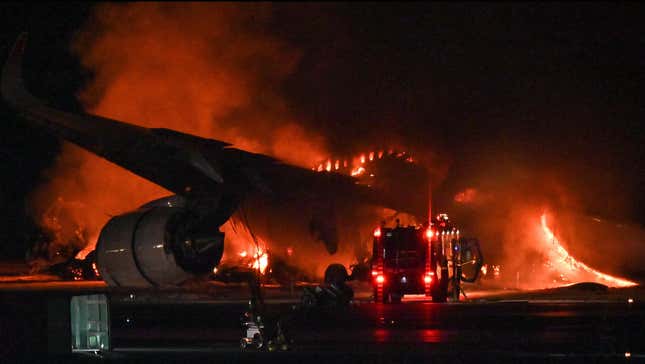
column 314, row 216
column 218, row 190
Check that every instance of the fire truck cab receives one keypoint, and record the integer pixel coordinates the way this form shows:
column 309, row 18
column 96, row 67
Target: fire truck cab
column 422, row 260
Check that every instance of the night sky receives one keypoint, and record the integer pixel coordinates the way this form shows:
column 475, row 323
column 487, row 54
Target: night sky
column 552, row 86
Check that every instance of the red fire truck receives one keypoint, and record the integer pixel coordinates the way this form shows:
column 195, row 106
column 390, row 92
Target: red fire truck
column 430, row 260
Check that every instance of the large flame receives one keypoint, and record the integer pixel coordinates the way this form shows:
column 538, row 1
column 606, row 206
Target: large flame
column 260, row 260
column 562, row 261
column 359, row 165
column 207, row 69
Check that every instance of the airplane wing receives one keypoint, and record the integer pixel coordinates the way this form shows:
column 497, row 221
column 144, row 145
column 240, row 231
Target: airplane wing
column 143, row 151
column 182, row 163
column 215, row 179
column 185, row 164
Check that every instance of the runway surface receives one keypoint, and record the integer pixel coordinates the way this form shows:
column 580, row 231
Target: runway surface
column 502, row 327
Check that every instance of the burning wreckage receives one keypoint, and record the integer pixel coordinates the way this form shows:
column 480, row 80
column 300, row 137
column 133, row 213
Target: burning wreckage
column 222, row 191
column 292, row 219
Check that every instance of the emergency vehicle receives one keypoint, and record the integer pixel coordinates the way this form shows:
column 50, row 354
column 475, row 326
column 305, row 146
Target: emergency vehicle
column 426, row 260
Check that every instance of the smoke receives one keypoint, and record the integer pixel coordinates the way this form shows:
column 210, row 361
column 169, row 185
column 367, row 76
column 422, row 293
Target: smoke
column 206, row 69
column 502, row 203
column 216, row 71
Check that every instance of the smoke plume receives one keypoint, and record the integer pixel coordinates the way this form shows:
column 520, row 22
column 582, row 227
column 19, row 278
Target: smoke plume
column 206, row 69
column 534, row 223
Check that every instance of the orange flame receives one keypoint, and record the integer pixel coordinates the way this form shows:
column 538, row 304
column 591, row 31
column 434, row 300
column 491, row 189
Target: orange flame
column 358, row 171
column 260, row 261
column 83, row 253
column 560, row 257
column 189, row 87
column 466, row 196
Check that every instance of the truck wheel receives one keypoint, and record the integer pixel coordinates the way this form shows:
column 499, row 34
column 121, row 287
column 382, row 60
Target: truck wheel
column 439, row 297
column 439, row 288
column 395, row 297
column 385, row 297
column 379, row 298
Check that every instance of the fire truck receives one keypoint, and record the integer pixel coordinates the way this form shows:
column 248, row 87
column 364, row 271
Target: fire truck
column 431, row 260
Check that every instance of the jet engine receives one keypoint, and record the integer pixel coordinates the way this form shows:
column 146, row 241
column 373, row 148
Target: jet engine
column 163, row 243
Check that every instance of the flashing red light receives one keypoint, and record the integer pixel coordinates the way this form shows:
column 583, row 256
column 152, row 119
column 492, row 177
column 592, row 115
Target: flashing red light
column 429, row 233
column 380, row 279
column 374, row 272
column 377, row 232
column 289, row 251
column 427, row 279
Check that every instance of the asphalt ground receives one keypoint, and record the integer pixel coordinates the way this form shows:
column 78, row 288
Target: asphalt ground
column 204, row 326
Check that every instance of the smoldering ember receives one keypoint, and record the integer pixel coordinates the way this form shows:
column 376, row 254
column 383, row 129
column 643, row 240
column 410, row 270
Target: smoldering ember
column 208, row 180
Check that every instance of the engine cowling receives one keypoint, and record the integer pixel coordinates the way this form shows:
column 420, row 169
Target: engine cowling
column 157, row 246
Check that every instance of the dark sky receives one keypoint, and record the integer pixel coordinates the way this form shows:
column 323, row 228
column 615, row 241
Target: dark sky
column 556, row 86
